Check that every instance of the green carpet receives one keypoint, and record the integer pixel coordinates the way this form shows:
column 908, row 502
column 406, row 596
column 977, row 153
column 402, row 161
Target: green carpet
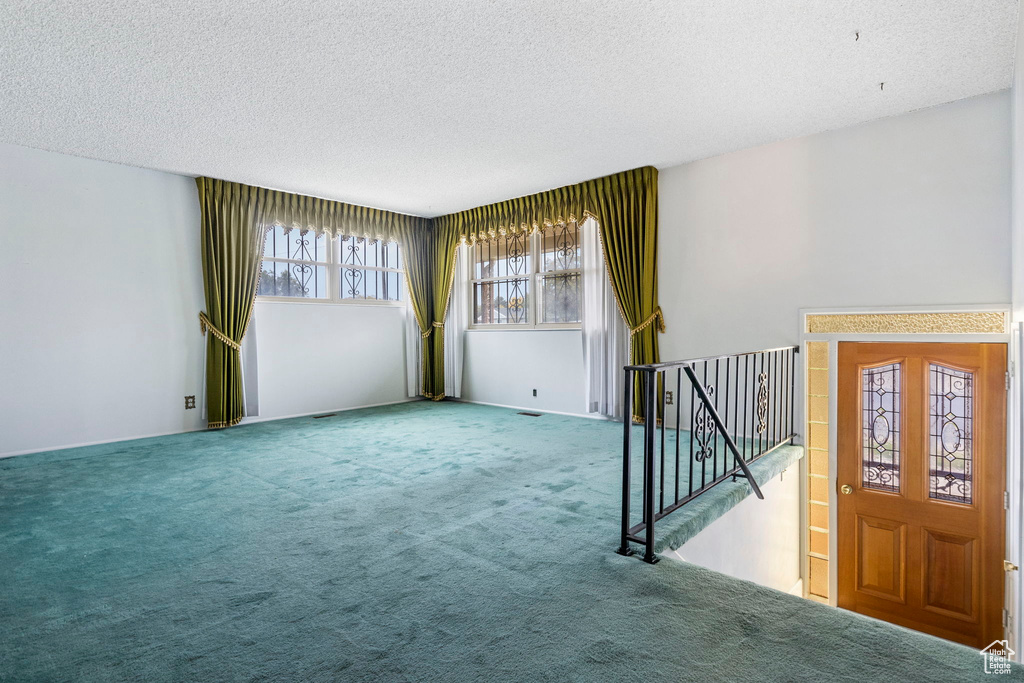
column 418, row 542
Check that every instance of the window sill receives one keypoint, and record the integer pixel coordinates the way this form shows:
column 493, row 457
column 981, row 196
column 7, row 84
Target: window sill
column 326, row 302
column 510, row 328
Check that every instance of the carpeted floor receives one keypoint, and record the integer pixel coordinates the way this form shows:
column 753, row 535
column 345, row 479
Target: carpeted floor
column 420, row 542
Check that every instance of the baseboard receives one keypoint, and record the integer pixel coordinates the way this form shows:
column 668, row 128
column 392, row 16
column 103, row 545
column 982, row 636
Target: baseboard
column 244, row 421
column 99, row 443
column 589, row 416
column 797, row 589
column 255, row 420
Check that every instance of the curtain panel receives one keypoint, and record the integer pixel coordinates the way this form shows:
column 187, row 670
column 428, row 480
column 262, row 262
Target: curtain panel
column 459, row 313
column 413, row 351
column 232, row 250
column 429, row 251
column 625, row 206
column 604, row 333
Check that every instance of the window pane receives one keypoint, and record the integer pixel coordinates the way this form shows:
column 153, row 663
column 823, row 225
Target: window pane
column 293, row 279
column 353, row 251
column 273, row 235
column 295, row 245
column 353, row 283
column 560, row 247
column 561, row 298
column 880, row 427
column 392, row 256
column 359, row 251
column 392, row 286
column 308, row 247
column 365, row 283
column 951, row 436
column 501, row 302
column 503, row 257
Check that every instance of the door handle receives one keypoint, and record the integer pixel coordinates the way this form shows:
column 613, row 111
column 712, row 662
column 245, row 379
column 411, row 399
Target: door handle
column 1009, row 566
column 846, row 489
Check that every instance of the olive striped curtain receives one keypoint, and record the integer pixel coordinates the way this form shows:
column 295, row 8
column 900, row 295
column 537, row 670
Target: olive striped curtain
column 234, row 218
column 429, row 251
column 232, row 250
column 625, row 206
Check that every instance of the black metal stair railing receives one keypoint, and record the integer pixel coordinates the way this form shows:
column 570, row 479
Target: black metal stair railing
column 697, row 433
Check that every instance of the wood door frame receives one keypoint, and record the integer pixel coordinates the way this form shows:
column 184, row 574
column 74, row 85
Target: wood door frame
column 1014, row 467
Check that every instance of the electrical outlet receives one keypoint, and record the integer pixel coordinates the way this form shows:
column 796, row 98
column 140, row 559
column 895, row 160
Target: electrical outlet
column 668, row 398
column 534, row 392
column 190, row 402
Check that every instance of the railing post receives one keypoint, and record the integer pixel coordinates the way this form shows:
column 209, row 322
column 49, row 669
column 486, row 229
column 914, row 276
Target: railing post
column 627, row 456
column 650, row 424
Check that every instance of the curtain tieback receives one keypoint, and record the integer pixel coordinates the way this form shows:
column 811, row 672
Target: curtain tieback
column 429, row 331
column 656, row 318
column 205, row 324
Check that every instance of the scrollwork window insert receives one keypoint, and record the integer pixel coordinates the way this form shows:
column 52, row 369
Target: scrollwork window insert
column 301, row 264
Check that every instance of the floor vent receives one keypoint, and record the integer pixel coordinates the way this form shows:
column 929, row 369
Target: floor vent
column 320, row 417
column 529, row 414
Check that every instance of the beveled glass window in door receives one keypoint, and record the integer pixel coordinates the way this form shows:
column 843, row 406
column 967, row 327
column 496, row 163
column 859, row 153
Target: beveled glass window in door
column 880, row 427
column 951, row 434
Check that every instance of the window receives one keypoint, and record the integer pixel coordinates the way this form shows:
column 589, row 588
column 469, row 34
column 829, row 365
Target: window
column 528, row 280
column 951, row 451
column 368, row 269
column 295, row 264
column 340, row 269
column 560, row 274
column 880, row 427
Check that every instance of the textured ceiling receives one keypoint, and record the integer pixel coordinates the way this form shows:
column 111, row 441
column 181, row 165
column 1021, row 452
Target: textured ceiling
column 428, row 107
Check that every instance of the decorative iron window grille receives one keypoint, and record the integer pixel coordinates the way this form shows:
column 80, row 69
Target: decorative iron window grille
column 368, row 269
column 302, row 264
column 529, row 279
column 295, row 264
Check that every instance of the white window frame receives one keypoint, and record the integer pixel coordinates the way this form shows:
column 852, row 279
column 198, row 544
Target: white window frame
column 535, row 305
column 333, row 280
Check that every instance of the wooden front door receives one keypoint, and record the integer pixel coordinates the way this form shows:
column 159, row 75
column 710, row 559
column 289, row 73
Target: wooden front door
column 921, row 472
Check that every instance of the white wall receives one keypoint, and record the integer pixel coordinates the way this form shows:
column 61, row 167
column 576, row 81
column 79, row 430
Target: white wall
column 909, row 210
column 322, row 357
column 758, row 540
column 504, row 367
column 906, row 211
column 100, row 285
column 100, row 288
